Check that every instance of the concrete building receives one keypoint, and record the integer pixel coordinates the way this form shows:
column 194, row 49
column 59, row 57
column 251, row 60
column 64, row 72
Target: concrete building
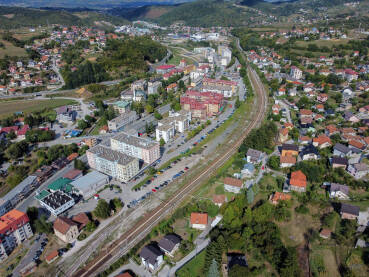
column 55, row 202
column 140, row 148
column 14, row 229
column 226, row 88
column 111, row 162
column 122, row 106
column 13, row 197
column 153, row 86
column 176, row 122
column 117, row 124
column 89, row 184
column 151, row 257
column 295, row 72
column 202, row 104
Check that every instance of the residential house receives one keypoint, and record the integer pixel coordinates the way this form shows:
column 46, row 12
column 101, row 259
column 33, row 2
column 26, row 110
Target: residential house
column 325, row 233
column 358, row 170
column 199, row 220
column 304, row 140
column 331, row 130
column 283, row 135
column 349, row 211
column 298, row 181
column 248, row 170
column 289, row 150
column 322, row 98
column 254, row 156
column 295, row 73
column 341, row 150
column 349, row 116
column 322, row 141
column 66, row 229
column 337, row 162
column 354, row 144
column 232, row 184
column 279, row 196
column 339, row 191
column 52, row 256
column 219, row 199
column 309, row 153
column 151, row 257
column 169, row 244
column 287, row 161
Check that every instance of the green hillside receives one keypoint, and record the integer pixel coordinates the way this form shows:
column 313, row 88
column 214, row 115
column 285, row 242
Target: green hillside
column 207, row 14
column 16, row 17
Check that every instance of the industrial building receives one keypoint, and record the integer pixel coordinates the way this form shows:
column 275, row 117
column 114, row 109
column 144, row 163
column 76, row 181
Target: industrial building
column 55, row 202
column 89, row 184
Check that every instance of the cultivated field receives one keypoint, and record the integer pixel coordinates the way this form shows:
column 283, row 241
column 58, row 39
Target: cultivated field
column 320, row 43
column 28, row 106
column 11, row 50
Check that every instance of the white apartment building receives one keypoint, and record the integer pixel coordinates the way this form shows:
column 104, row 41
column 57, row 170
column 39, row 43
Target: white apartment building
column 152, row 87
column 113, row 163
column 140, row 148
column 14, row 229
column 176, row 122
column 296, row 73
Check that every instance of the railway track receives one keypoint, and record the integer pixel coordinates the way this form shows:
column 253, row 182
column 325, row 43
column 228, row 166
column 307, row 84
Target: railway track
column 140, row 229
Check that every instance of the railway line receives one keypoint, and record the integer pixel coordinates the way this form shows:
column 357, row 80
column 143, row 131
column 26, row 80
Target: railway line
column 143, row 227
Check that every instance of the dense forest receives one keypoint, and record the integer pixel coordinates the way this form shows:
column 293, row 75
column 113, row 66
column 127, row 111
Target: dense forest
column 206, row 14
column 16, row 17
column 129, row 56
column 132, row 53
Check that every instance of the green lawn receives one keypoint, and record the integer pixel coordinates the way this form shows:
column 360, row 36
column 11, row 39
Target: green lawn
column 193, row 268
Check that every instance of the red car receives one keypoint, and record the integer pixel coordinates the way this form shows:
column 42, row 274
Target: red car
column 186, row 168
column 262, row 167
column 154, row 190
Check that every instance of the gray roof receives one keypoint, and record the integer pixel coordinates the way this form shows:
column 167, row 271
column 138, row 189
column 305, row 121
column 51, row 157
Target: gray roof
column 286, row 146
column 111, row 155
column 169, row 241
column 135, row 141
column 350, row 209
column 339, row 187
column 342, row 148
column 339, row 160
column 361, row 167
column 150, row 253
column 256, row 154
column 88, row 180
column 19, row 188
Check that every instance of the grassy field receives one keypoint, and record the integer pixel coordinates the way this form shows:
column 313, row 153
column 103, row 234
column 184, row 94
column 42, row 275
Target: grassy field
column 28, row 106
column 11, row 50
column 321, row 43
column 194, row 267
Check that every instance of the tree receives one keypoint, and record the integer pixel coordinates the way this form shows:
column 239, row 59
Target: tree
column 102, row 209
column 82, row 124
column 213, row 270
column 90, row 226
column 162, row 142
column 17, row 150
column 157, row 115
column 42, row 226
column 239, row 271
column 32, row 213
column 149, row 108
column 78, row 164
column 116, row 204
column 273, row 162
column 250, row 195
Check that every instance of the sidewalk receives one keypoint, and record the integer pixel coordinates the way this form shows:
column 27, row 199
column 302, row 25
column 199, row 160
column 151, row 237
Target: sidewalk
column 138, row 270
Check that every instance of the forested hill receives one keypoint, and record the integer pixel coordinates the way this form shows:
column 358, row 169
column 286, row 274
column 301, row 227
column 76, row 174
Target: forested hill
column 292, row 7
column 207, row 14
column 16, row 17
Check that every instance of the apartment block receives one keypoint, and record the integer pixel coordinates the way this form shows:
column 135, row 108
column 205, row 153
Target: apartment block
column 118, row 123
column 140, row 148
column 14, row 229
column 202, row 104
column 226, row 88
column 176, row 122
column 113, row 163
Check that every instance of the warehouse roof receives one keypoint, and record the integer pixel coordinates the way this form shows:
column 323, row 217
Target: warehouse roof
column 19, row 188
column 88, row 180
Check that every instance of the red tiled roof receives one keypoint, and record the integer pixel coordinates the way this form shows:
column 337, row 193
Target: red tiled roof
column 233, row 182
column 62, row 224
column 280, row 196
column 356, row 144
column 199, row 218
column 288, row 159
column 219, row 199
column 298, row 179
column 52, row 255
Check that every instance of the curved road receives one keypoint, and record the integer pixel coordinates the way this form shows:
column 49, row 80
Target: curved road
column 135, row 234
